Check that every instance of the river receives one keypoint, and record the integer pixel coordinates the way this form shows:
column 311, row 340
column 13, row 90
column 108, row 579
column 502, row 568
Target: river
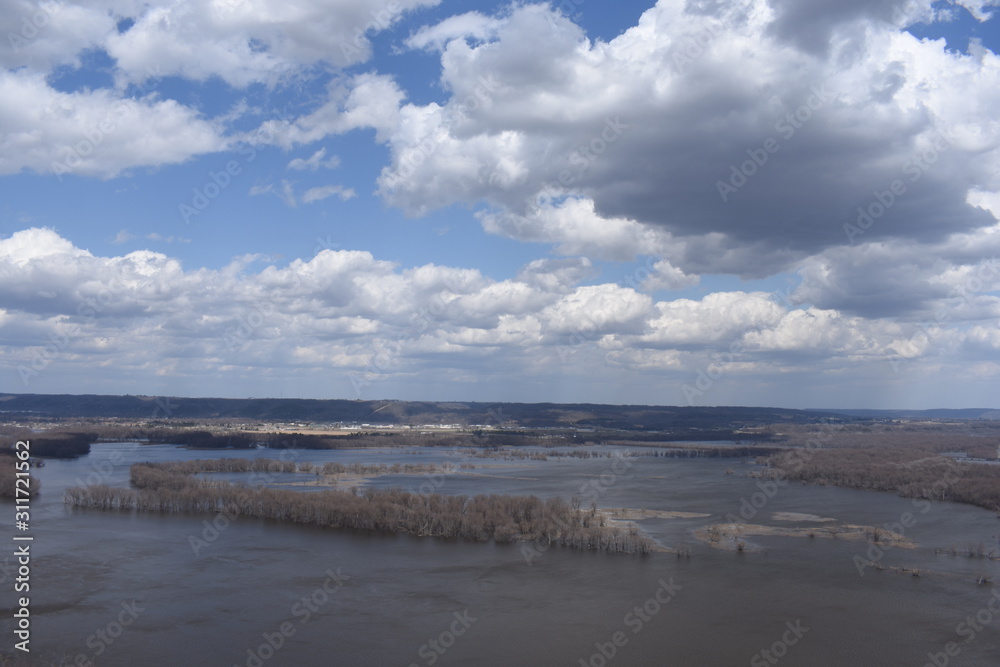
column 143, row 589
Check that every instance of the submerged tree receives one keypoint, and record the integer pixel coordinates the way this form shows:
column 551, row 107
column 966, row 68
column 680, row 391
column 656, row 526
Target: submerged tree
column 501, row 518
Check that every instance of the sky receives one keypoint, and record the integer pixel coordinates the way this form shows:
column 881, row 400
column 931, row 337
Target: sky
column 695, row 202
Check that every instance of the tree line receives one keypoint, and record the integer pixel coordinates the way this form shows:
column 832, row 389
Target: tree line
column 53, row 444
column 500, row 518
column 910, row 471
column 193, row 466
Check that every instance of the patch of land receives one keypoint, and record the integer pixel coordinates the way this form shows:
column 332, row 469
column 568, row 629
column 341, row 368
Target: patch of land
column 632, row 514
column 733, row 536
column 172, row 487
column 799, row 516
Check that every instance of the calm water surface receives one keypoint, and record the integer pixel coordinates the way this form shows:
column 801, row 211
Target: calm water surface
column 129, row 589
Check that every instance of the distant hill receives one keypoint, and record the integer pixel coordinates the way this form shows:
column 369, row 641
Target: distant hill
column 533, row 415
column 939, row 413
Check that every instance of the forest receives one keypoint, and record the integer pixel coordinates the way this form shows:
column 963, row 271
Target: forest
column 903, row 459
column 500, row 518
column 57, row 444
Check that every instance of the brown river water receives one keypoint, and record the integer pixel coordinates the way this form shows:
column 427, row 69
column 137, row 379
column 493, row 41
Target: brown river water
column 143, row 589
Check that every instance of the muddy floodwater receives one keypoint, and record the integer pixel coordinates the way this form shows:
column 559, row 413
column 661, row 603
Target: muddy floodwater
column 144, row 589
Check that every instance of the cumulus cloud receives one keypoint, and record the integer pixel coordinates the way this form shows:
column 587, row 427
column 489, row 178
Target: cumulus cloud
column 365, row 101
column 44, row 35
column 576, row 229
column 348, row 314
column 474, row 25
column 740, row 138
column 103, row 131
column 245, row 42
column 94, row 133
column 746, row 137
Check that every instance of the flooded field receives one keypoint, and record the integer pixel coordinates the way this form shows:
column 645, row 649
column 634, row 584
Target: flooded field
column 142, row 589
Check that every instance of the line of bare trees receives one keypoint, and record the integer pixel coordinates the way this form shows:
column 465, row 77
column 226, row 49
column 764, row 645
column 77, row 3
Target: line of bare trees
column 501, row 518
column 910, row 471
column 193, row 466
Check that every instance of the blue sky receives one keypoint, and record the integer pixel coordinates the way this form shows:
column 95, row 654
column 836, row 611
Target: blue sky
column 604, row 202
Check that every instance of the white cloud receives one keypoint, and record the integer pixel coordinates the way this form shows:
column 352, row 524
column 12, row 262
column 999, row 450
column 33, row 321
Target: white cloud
column 721, row 316
column 43, row 35
column 29, row 245
column 284, row 190
column 93, row 133
column 980, row 9
column 123, row 236
column 577, row 229
column 811, row 116
column 102, row 132
column 244, row 41
column 322, row 192
column 471, row 24
column 367, row 100
column 556, row 275
column 845, row 101
column 317, row 160
column 147, row 316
